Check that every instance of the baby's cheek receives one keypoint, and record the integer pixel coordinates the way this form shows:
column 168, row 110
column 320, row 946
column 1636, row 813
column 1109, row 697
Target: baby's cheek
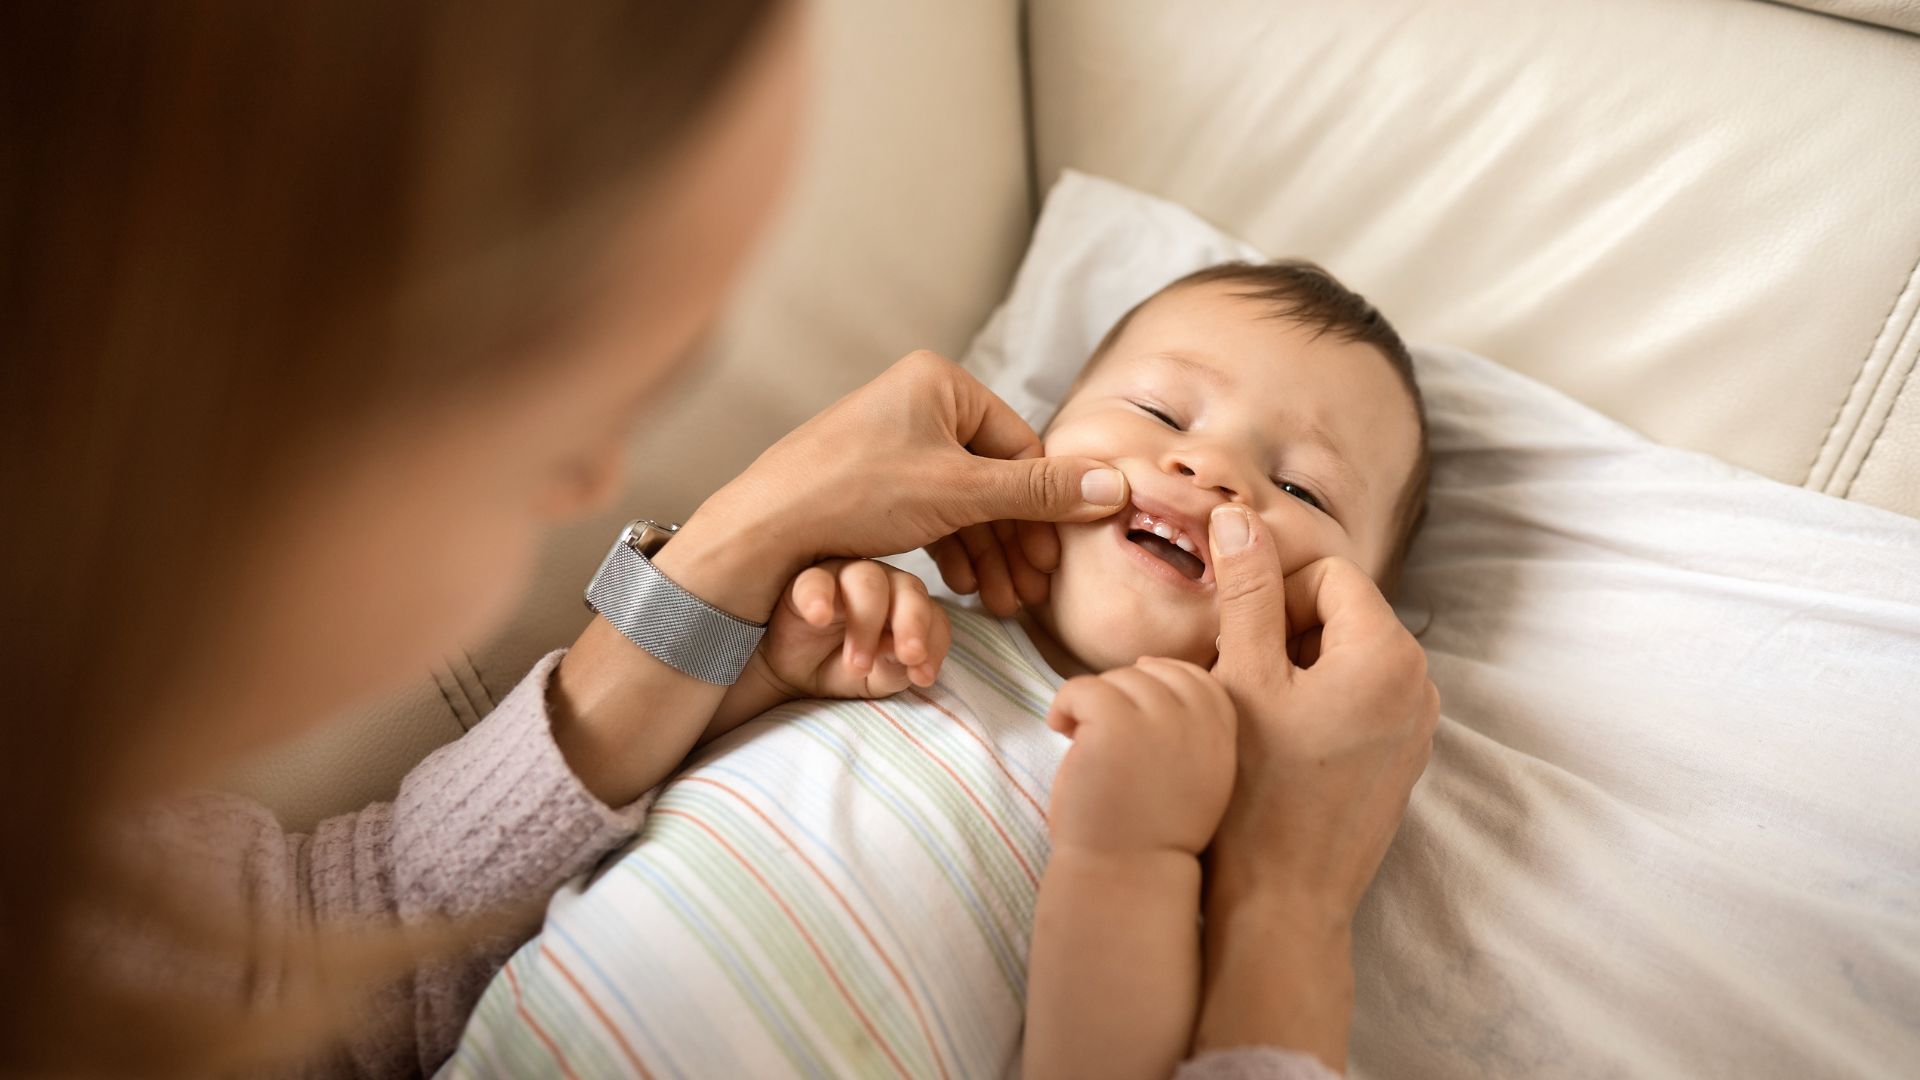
column 1203, row 649
column 1305, row 536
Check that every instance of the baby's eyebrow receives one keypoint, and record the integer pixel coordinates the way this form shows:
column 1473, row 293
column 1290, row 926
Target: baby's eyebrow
column 1349, row 475
column 1197, row 368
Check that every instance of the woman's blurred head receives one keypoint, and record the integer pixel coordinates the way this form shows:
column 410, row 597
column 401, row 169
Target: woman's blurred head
column 315, row 313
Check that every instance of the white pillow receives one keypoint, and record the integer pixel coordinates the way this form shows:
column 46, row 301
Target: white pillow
column 1670, row 827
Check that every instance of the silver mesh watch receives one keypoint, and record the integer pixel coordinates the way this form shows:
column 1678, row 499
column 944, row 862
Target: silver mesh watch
column 681, row 630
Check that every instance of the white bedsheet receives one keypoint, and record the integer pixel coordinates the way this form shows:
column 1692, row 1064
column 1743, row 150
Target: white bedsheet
column 1672, row 825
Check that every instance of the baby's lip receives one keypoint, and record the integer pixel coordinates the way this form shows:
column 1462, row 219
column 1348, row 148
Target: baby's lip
column 1193, row 525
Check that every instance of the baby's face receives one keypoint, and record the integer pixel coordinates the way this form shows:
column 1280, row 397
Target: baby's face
column 1206, row 398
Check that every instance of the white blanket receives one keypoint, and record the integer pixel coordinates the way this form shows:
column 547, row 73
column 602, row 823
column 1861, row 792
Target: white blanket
column 1671, row 827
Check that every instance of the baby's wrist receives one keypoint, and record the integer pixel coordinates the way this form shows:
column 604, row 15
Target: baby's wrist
column 769, row 684
column 1125, row 865
column 757, row 690
column 1097, row 831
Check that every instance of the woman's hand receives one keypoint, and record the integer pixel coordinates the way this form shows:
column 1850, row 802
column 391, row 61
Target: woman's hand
column 847, row 628
column 1009, row 563
column 1327, row 757
column 1151, row 764
column 919, row 454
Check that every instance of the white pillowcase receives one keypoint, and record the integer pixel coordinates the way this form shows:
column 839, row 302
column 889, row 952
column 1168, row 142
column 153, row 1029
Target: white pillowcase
column 1670, row 827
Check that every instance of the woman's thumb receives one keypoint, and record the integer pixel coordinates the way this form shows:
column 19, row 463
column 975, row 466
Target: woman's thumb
column 1249, row 584
column 1044, row 489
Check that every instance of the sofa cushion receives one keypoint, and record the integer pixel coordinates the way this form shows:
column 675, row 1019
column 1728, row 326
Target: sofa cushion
column 1696, row 217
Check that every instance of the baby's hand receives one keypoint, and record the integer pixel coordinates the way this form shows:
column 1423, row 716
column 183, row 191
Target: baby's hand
column 1152, row 761
column 854, row 628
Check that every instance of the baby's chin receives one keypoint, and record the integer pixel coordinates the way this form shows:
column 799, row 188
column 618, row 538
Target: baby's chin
column 1103, row 638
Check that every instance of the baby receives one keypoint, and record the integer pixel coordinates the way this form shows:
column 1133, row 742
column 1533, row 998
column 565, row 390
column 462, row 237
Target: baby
column 919, row 828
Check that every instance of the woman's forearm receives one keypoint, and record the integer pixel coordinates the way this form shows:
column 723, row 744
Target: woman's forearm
column 1279, row 972
column 624, row 720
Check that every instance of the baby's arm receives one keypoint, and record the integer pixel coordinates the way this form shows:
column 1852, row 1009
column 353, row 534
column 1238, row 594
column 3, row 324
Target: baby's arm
column 1114, row 971
column 1113, row 980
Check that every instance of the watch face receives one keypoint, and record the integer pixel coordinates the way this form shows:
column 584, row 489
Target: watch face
column 647, row 536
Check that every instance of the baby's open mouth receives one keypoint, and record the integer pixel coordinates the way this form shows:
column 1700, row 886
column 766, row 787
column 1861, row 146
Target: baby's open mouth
column 1167, row 542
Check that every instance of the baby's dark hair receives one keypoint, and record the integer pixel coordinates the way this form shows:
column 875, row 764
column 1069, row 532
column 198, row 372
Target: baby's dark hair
column 1306, row 293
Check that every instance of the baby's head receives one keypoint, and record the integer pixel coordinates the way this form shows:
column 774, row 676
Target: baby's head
column 1270, row 385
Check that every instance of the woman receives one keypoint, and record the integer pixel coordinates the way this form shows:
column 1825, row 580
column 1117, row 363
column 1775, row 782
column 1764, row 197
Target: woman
column 317, row 315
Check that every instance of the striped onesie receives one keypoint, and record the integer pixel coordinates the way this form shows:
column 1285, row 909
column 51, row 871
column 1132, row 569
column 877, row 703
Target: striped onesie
column 837, row 888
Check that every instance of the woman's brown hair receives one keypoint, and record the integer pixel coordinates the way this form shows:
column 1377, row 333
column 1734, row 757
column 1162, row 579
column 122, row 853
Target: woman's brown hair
column 226, row 230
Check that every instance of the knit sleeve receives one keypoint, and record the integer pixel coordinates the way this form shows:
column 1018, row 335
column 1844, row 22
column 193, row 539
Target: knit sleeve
column 1254, row 1063
column 492, row 820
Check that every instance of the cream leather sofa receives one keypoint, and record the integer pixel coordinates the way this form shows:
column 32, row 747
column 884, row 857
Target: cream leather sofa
column 1701, row 217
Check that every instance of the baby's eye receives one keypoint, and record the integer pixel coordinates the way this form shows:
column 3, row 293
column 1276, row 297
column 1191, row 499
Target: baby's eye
column 1300, row 493
column 1158, row 415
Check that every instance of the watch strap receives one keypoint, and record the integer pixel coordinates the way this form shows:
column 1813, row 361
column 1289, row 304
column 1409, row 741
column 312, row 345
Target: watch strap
column 678, row 628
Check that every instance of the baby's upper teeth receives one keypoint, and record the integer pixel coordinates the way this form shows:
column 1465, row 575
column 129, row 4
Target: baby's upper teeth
column 1165, row 531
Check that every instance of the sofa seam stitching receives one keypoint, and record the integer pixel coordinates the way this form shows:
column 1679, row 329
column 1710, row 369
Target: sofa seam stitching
column 1906, row 380
column 1826, row 439
column 1840, row 410
column 440, row 684
column 466, row 676
column 480, row 680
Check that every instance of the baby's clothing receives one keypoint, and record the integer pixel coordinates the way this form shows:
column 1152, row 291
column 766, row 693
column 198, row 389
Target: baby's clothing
column 838, row 888
column 492, row 819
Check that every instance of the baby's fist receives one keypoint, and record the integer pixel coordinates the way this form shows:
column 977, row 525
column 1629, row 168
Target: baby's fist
column 1151, row 766
column 855, row 628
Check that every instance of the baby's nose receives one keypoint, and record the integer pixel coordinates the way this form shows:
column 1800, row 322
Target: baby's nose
column 1206, row 470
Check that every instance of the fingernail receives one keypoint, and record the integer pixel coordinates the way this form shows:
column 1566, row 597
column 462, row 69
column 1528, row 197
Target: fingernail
column 1231, row 529
column 1103, row 487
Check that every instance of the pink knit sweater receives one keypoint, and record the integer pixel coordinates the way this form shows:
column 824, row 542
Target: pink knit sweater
column 493, row 819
